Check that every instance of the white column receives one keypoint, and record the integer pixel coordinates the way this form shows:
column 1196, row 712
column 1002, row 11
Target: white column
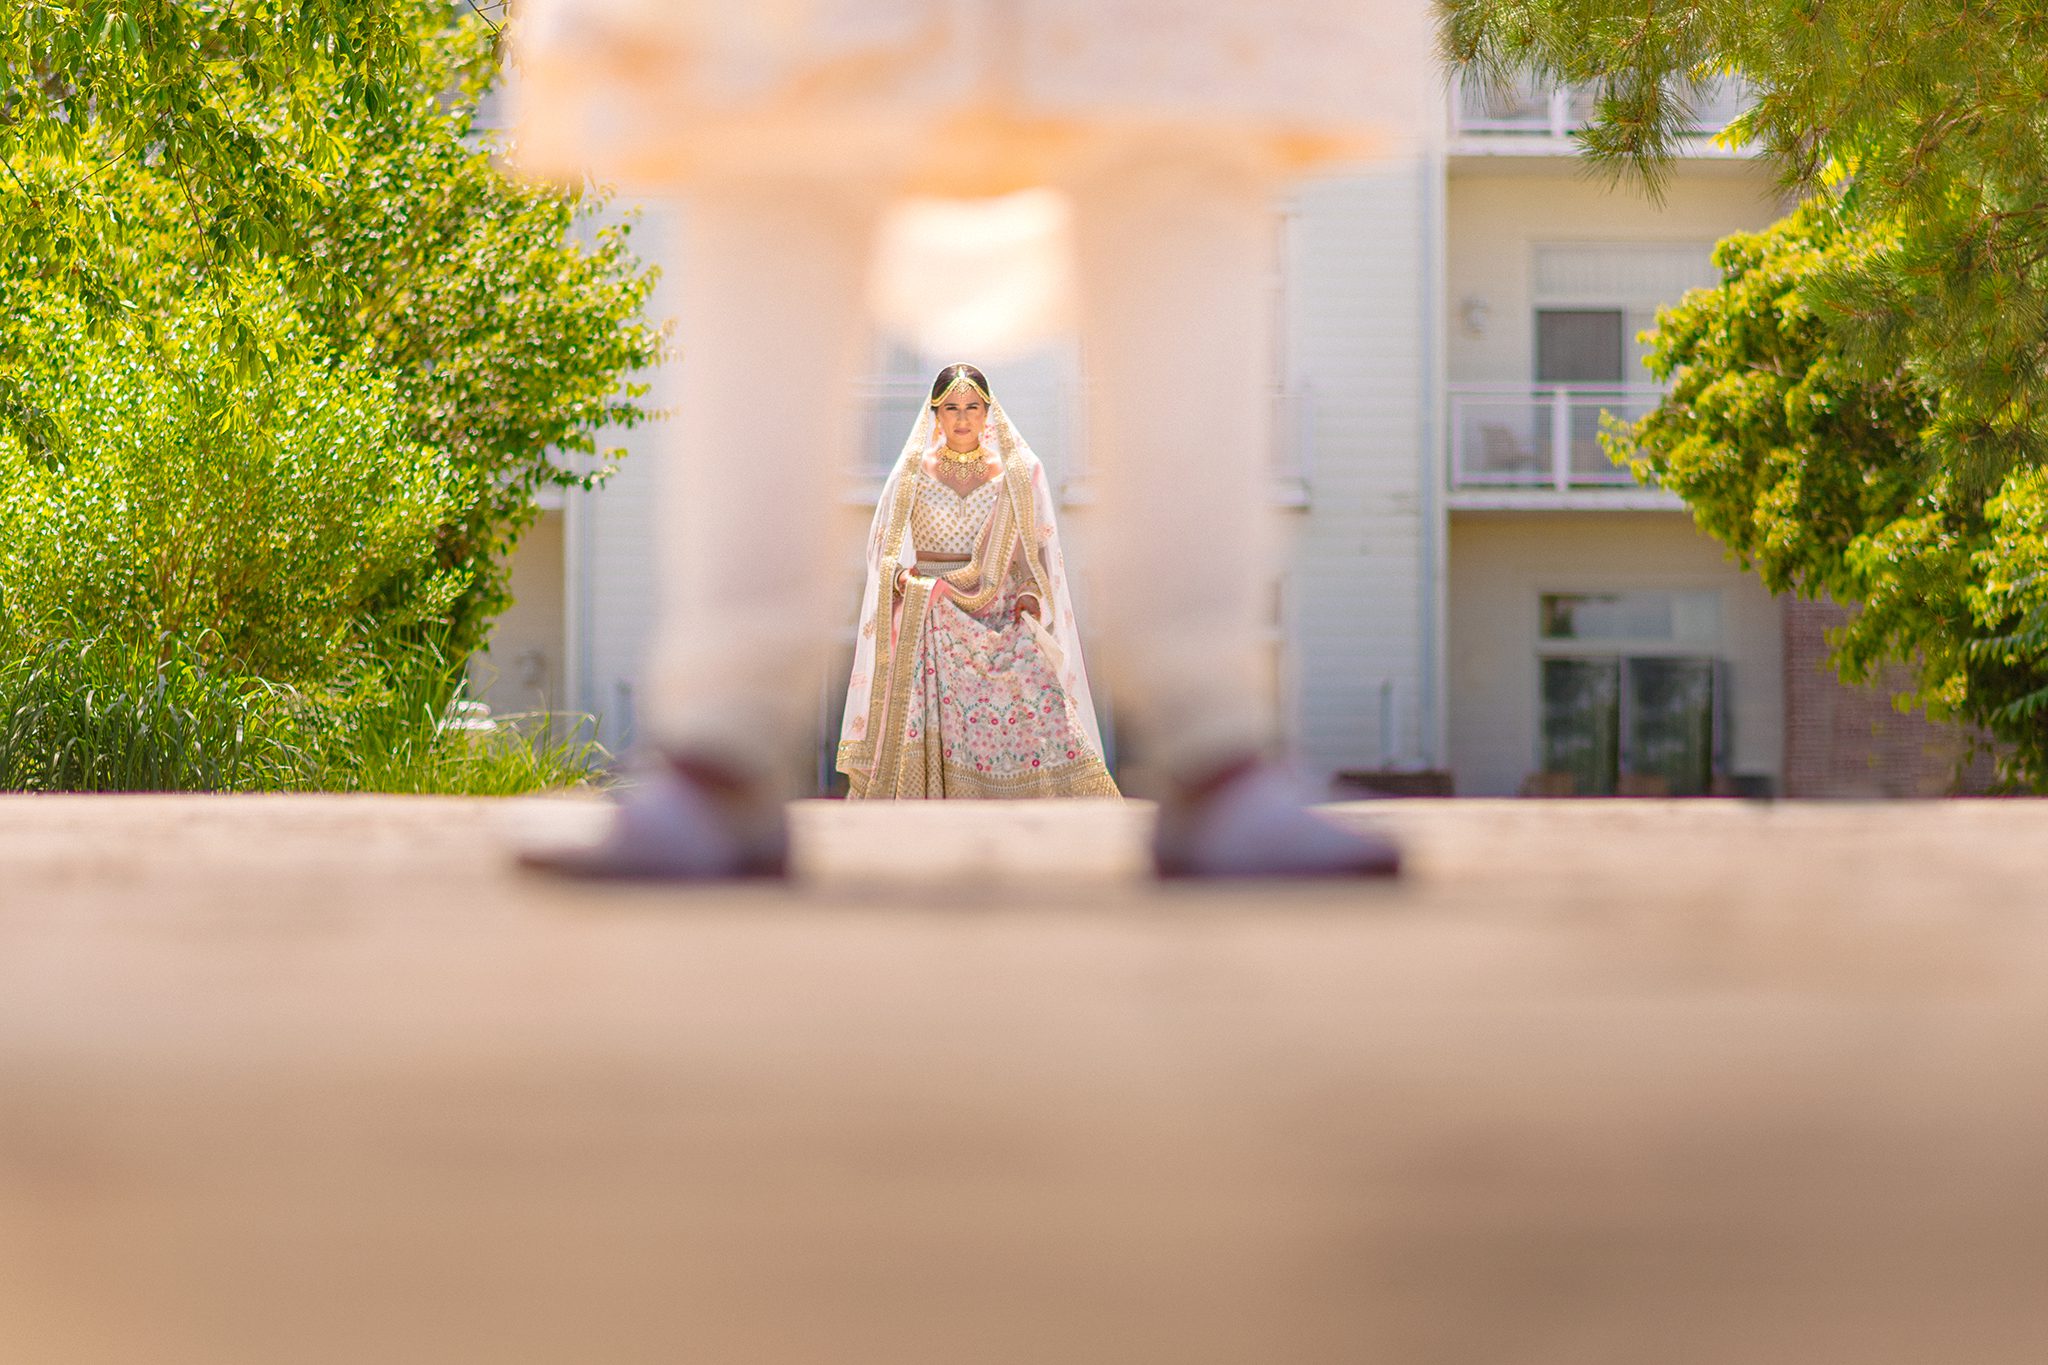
column 1173, row 236
column 773, row 276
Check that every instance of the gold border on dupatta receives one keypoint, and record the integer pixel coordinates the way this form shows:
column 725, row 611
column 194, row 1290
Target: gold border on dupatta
column 889, row 762
column 857, row 756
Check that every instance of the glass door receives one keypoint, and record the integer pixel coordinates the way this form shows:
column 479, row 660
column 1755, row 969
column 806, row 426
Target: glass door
column 1581, row 722
column 1670, row 730
column 1641, row 722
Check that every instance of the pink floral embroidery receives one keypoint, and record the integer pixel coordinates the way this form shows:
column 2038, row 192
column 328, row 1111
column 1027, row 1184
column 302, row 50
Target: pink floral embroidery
column 984, row 696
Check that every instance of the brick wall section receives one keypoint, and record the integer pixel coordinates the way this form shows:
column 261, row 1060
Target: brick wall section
column 1849, row 741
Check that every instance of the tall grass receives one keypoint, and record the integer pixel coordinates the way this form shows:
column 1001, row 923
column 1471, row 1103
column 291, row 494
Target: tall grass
column 403, row 729
column 83, row 713
column 97, row 713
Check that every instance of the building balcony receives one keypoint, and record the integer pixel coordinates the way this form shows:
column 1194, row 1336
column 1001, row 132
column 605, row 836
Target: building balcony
column 1537, row 446
column 1536, row 119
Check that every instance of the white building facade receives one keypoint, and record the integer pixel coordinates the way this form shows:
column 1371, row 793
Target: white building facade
column 1467, row 588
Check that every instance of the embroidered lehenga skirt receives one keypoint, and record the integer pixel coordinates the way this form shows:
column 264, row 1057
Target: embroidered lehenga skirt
column 982, row 713
column 970, row 703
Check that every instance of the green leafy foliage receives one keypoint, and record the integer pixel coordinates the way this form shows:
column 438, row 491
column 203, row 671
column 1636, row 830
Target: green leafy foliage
column 403, row 254
column 291, row 518
column 1825, row 484
column 1923, row 117
column 510, row 344
column 286, row 359
column 1861, row 409
column 232, row 98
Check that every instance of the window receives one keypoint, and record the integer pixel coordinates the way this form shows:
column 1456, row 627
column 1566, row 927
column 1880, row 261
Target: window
column 1578, row 345
column 1681, row 618
column 894, row 393
column 1592, row 298
column 1632, row 697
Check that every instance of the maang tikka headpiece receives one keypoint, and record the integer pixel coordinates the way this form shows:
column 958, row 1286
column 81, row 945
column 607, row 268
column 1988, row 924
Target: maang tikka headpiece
column 962, row 376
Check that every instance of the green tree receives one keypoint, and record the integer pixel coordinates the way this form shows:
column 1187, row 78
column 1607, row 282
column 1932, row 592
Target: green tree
column 229, row 97
column 232, row 103
column 1862, row 408
column 407, row 256
column 282, row 371
column 265, row 514
column 510, row 333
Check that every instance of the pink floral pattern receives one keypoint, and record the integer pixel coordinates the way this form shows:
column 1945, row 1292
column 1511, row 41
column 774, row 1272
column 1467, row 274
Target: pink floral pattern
column 989, row 712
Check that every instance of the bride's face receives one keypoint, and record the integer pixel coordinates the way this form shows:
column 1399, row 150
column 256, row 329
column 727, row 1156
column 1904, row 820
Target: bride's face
column 962, row 416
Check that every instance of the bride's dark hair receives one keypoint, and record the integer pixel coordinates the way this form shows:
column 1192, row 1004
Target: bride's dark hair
column 953, row 372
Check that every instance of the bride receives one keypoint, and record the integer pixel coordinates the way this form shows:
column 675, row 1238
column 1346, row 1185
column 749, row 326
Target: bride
column 967, row 674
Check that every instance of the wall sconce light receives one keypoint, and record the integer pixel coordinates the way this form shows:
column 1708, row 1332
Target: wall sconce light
column 1472, row 313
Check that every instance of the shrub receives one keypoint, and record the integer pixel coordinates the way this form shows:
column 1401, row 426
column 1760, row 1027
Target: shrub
column 261, row 514
column 268, row 440
column 222, row 580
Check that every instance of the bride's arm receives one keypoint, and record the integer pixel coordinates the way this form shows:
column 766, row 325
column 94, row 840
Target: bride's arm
column 901, row 576
column 1027, row 596
column 1027, row 591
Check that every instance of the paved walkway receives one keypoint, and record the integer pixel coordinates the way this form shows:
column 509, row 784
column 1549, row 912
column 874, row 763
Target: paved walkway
column 325, row 1080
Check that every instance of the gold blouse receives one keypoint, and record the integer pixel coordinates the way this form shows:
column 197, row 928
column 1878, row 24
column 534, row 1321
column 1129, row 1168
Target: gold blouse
column 944, row 523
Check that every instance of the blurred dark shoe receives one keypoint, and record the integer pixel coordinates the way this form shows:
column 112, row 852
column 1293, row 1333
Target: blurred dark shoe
column 1251, row 820
column 684, row 822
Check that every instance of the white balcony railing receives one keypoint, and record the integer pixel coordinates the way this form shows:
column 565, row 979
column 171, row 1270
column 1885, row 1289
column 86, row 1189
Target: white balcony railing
column 1539, row 437
column 1531, row 108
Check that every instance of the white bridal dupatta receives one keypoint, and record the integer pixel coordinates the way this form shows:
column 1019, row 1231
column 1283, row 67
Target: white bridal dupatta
column 894, row 741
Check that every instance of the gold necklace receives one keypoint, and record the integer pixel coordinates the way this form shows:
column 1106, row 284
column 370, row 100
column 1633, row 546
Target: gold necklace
column 963, row 458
